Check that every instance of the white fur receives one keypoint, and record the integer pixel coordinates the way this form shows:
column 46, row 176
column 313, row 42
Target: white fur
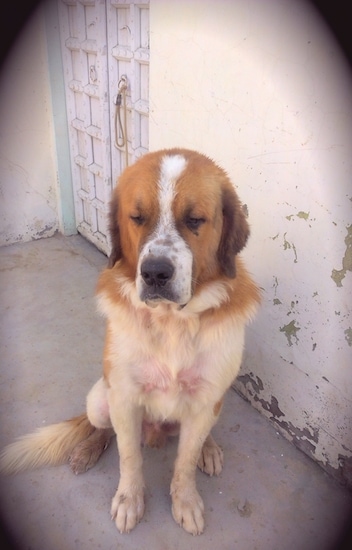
column 153, row 365
column 171, row 169
column 168, row 365
column 165, row 241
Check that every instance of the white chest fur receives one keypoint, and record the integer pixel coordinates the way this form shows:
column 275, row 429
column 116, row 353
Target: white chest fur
column 164, row 361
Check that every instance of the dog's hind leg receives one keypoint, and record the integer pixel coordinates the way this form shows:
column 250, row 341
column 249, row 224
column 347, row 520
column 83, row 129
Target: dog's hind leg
column 87, row 453
column 97, row 405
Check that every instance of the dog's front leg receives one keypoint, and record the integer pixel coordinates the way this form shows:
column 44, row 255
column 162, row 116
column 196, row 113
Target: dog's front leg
column 127, row 507
column 187, row 504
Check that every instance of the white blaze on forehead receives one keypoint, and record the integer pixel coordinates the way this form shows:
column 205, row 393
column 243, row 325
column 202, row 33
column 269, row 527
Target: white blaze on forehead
column 171, row 169
column 165, row 242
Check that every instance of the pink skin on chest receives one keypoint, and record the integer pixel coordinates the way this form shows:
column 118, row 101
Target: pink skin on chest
column 152, row 376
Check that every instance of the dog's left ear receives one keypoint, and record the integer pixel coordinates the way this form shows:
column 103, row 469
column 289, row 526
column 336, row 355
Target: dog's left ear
column 235, row 232
column 114, row 231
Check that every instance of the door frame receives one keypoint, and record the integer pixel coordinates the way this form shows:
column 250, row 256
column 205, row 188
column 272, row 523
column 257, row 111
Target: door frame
column 65, row 197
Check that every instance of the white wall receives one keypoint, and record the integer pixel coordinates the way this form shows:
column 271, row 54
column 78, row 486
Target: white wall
column 261, row 87
column 28, row 188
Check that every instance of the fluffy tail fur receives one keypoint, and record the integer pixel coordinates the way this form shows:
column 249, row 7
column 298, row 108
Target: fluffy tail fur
column 50, row 445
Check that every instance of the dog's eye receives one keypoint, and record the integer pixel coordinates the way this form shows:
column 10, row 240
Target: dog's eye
column 194, row 223
column 138, row 219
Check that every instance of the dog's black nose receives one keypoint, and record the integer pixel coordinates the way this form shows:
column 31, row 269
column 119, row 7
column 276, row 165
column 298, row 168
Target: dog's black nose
column 157, row 271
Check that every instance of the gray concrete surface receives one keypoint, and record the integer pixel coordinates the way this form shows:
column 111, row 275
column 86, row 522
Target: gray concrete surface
column 269, row 496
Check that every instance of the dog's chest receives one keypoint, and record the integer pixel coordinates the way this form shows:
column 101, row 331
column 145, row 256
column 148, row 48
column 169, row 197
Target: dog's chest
column 174, row 362
column 154, row 376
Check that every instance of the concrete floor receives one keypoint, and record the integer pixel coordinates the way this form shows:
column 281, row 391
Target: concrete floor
column 269, row 497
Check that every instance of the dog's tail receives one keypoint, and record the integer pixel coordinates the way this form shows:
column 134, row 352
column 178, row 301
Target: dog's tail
column 50, row 445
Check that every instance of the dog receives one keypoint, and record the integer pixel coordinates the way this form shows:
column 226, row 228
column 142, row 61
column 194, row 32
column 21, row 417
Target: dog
column 177, row 298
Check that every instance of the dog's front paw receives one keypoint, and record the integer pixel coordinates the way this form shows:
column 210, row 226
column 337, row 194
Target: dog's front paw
column 211, row 458
column 188, row 510
column 127, row 509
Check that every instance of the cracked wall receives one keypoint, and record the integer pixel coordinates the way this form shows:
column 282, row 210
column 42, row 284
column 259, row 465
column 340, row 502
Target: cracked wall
column 234, row 82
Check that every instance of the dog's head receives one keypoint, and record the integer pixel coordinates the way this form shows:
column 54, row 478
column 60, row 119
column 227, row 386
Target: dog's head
column 175, row 223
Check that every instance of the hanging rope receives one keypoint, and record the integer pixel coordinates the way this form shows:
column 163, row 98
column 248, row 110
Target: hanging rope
column 121, row 141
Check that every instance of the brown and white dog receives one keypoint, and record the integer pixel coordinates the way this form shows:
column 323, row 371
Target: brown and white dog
column 177, row 298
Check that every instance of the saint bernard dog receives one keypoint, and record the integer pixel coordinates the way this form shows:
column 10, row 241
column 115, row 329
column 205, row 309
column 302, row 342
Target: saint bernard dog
column 177, row 298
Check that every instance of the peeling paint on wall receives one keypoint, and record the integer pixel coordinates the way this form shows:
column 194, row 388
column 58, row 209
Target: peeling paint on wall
column 301, row 214
column 290, row 332
column 348, row 336
column 31, row 232
column 307, row 438
column 275, row 284
column 276, row 301
column 339, row 275
column 257, row 386
column 289, row 246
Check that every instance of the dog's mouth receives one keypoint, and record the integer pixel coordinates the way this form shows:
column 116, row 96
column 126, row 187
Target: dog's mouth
column 155, row 303
column 155, row 300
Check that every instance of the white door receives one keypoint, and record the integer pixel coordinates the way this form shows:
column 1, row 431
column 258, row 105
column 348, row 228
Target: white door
column 105, row 51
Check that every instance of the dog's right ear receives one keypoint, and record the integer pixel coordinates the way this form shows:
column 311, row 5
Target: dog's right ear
column 235, row 232
column 114, row 231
